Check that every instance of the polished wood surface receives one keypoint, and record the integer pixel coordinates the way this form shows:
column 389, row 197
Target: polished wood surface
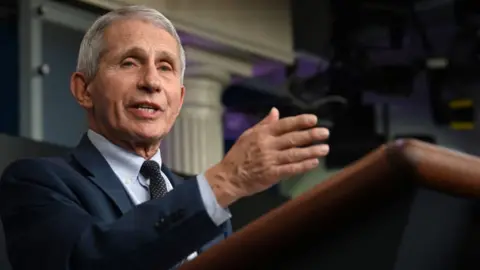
column 437, row 167
column 365, row 184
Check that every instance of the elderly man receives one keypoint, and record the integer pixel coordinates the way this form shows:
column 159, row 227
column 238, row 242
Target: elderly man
column 111, row 203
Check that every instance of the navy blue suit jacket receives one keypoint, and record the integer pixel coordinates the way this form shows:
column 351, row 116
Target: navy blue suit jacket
column 73, row 213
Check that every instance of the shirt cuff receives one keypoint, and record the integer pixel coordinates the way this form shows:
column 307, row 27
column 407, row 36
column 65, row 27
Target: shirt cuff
column 218, row 214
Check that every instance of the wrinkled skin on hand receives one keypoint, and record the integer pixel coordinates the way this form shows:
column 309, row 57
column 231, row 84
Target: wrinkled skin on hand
column 272, row 150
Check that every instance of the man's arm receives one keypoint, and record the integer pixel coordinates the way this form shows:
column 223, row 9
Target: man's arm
column 47, row 227
column 217, row 213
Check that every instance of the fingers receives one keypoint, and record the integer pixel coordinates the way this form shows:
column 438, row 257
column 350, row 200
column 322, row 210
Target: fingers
column 272, row 116
column 295, row 155
column 301, row 138
column 299, row 160
column 292, row 169
column 293, row 123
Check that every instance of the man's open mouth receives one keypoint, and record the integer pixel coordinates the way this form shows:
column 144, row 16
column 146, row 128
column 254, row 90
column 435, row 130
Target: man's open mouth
column 147, row 106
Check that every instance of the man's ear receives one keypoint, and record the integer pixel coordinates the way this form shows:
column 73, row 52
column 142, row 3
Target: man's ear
column 79, row 89
column 182, row 97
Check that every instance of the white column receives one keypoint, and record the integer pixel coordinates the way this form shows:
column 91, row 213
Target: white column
column 196, row 140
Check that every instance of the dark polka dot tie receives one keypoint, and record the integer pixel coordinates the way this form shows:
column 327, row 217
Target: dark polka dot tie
column 151, row 170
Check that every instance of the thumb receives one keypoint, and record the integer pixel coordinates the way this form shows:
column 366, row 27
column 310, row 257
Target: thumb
column 272, row 116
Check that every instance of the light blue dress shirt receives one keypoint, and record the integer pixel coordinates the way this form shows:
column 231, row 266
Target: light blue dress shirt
column 126, row 165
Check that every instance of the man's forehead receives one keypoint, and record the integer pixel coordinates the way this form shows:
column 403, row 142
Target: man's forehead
column 128, row 33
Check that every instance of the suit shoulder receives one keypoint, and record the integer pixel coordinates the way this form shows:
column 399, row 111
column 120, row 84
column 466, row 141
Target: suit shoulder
column 33, row 166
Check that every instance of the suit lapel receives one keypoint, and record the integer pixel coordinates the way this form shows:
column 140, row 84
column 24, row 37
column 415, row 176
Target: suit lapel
column 174, row 179
column 101, row 174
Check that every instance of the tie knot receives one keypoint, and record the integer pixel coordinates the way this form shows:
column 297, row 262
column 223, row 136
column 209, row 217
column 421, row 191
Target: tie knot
column 150, row 169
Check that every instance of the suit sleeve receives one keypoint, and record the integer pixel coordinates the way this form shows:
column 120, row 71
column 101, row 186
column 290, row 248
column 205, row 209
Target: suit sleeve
column 47, row 227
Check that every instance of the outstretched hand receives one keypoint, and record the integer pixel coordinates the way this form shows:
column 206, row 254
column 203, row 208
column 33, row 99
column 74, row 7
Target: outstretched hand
column 272, row 150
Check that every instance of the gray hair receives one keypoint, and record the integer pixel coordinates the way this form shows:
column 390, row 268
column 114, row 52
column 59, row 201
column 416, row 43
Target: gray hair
column 92, row 47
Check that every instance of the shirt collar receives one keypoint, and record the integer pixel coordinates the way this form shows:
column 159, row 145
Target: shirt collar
column 125, row 164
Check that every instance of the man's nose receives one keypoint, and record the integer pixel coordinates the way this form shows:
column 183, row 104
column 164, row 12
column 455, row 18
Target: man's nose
column 150, row 80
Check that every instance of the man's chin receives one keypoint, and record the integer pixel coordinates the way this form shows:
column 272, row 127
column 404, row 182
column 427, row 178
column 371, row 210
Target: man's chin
column 144, row 132
column 148, row 136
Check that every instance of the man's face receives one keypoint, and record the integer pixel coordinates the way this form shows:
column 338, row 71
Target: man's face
column 137, row 93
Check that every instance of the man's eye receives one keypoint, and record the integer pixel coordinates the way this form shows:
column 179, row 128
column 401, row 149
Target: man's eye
column 128, row 64
column 165, row 68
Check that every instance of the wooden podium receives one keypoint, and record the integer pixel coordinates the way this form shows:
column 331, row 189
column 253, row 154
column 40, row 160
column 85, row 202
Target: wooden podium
column 407, row 205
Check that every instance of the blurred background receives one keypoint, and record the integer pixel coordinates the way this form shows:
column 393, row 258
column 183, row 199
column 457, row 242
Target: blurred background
column 371, row 70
